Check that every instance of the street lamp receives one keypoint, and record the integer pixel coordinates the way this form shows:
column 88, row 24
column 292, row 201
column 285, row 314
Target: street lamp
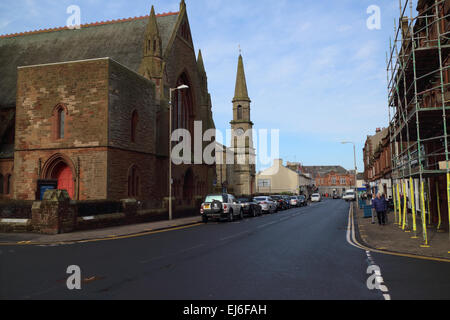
column 356, row 169
column 182, row 87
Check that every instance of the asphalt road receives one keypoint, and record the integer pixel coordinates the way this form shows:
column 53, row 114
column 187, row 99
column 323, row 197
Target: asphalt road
column 296, row 254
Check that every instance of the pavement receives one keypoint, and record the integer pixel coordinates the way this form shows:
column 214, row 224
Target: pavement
column 392, row 238
column 298, row 254
column 97, row 234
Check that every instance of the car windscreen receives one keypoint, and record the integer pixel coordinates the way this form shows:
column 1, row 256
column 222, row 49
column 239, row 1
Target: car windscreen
column 213, row 198
column 293, row 198
column 276, row 198
column 243, row 200
column 260, row 199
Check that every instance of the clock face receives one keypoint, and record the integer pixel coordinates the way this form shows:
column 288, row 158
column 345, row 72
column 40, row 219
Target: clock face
column 239, row 132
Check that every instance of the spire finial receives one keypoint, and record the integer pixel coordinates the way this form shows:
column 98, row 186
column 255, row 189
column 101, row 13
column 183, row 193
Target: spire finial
column 241, row 93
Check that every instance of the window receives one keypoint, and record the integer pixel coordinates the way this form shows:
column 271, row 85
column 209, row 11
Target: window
column 333, row 180
column 239, row 112
column 133, row 182
column 183, row 106
column 61, row 123
column 1, row 184
column 343, row 181
column 264, row 183
column 134, row 124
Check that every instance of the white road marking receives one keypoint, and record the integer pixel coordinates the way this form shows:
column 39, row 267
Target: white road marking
column 352, row 240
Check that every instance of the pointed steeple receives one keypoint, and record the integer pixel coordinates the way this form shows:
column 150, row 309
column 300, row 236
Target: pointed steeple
column 152, row 26
column 182, row 5
column 241, row 93
column 152, row 38
column 200, row 64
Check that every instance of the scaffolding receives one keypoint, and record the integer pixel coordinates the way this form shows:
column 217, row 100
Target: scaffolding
column 418, row 69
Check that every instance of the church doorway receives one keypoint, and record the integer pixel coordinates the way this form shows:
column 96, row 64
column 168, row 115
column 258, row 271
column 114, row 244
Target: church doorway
column 63, row 174
column 57, row 173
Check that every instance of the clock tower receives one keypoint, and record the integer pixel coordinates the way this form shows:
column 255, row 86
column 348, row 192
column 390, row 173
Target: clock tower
column 243, row 177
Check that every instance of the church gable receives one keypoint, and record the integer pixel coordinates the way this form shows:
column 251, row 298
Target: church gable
column 120, row 40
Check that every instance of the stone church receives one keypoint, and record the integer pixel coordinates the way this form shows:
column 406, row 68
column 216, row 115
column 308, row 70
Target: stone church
column 236, row 171
column 87, row 110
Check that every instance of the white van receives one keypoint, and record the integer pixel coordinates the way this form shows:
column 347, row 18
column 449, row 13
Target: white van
column 349, row 195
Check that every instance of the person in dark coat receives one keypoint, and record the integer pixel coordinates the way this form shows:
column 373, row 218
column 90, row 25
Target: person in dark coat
column 380, row 206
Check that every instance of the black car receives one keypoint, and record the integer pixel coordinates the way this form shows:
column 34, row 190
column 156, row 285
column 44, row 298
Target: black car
column 303, row 201
column 250, row 206
column 281, row 203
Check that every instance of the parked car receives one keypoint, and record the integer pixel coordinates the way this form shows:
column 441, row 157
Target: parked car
column 295, row 201
column 303, row 201
column 336, row 196
column 281, row 203
column 287, row 200
column 349, row 195
column 268, row 205
column 221, row 206
column 250, row 207
column 316, row 197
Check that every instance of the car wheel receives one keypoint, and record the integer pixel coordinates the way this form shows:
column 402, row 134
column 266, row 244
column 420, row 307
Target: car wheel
column 254, row 212
column 230, row 216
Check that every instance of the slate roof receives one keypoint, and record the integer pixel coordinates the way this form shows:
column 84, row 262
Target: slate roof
column 321, row 170
column 121, row 40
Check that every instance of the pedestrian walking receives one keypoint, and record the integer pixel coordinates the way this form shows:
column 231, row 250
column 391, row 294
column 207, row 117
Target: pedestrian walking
column 372, row 197
column 380, row 205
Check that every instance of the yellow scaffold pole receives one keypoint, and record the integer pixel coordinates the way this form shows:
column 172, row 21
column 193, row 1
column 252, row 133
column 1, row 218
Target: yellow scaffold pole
column 405, row 221
column 438, row 206
column 428, row 202
column 448, row 200
column 413, row 208
column 394, row 194
column 399, row 206
column 424, row 221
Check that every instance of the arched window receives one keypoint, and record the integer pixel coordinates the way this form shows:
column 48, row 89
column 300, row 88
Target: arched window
column 8, row 184
column 182, row 111
column 239, row 112
column 133, row 182
column 1, row 184
column 60, row 123
column 134, row 124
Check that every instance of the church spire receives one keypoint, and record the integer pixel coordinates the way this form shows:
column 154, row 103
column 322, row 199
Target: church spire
column 240, row 93
column 200, row 64
column 153, row 39
column 182, row 5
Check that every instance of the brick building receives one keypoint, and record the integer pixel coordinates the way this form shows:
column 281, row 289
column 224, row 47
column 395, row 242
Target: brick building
column 377, row 162
column 87, row 110
column 330, row 179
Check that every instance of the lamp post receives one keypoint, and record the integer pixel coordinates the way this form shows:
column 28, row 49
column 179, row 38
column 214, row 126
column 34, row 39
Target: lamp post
column 356, row 169
column 171, row 90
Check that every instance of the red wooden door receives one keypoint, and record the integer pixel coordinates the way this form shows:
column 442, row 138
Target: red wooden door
column 65, row 180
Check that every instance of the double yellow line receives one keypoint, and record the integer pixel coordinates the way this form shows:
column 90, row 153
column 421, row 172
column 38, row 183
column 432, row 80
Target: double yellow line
column 113, row 237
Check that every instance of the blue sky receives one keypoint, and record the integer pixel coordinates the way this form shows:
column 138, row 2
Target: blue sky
column 314, row 70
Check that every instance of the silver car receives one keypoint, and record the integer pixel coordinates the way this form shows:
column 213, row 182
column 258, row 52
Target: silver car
column 267, row 204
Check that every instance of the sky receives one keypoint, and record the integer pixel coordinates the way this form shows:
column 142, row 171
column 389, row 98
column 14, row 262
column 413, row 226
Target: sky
column 314, row 69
